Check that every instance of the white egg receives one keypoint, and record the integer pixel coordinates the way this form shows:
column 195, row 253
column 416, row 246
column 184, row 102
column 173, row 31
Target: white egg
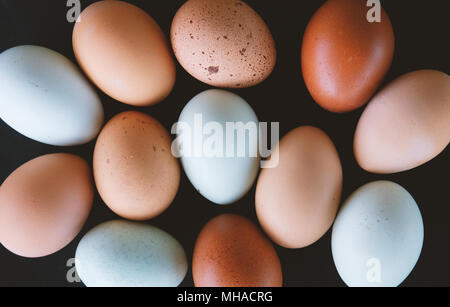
column 221, row 163
column 128, row 254
column 45, row 97
column 378, row 236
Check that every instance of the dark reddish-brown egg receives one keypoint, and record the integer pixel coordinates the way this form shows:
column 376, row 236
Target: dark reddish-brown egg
column 232, row 252
column 345, row 56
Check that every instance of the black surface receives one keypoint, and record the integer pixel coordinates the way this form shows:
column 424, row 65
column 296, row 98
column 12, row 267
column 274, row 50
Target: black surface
column 421, row 29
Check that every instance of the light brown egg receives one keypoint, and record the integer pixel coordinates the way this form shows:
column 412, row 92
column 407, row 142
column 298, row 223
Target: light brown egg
column 232, row 252
column 124, row 52
column 223, row 43
column 44, row 204
column 134, row 170
column 297, row 201
column 406, row 125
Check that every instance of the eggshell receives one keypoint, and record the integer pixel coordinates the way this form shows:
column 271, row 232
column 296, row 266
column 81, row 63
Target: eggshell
column 222, row 180
column 344, row 56
column 134, row 170
column 223, row 43
column 128, row 254
column 44, row 96
column 406, row 125
column 44, row 204
column 297, row 201
column 232, row 252
column 378, row 236
column 124, row 52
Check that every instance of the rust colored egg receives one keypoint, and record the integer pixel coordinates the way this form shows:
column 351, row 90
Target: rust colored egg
column 232, row 252
column 345, row 56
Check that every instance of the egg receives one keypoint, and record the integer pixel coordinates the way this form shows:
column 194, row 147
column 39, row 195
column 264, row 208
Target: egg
column 297, row 201
column 43, row 96
column 223, row 43
column 44, row 204
column 232, row 252
column 221, row 163
column 345, row 56
column 406, row 125
column 135, row 172
column 378, row 236
column 124, row 52
column 128, row 254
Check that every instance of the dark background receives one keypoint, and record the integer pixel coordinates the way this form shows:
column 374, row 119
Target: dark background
column 421, row 29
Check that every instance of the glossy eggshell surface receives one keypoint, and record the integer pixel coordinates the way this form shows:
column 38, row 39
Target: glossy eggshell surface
column 135, row 172
column 127, row 254
column 344, row 56
column 44, row 96
column 406, row 125
column 378, row 236
column 44, row 204
column 124, row 52
column 297, row 201
column 232, row 252
column 223, row 43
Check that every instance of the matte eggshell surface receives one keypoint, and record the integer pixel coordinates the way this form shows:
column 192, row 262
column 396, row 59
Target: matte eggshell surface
column 406, row 125
column 127, row 254
column 297, row 201
column 222, row 179
column 377, row 236
column 344, row 56
column 223, row 43
column 124, row 52
column 44, row 204
column 45, row 97
column 232, row 252
column 135, row 172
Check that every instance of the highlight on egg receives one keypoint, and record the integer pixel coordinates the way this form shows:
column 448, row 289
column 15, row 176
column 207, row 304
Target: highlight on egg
column 134, row 169
column 44, row 204
column 345, row 55
column 124, row 52
column 223, row 43
column 406, row 125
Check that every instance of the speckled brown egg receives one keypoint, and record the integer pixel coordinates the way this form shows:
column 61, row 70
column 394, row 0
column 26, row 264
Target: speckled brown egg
column 223, row 43
column 232, row 252
column 44, row 204
column 134, row 169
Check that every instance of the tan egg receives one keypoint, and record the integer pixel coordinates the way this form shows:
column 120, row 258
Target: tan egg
column 223, row 43
column 44, row 204
column 124, row 52
column 134, row 169
column 297, row 201
column 406, row 125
